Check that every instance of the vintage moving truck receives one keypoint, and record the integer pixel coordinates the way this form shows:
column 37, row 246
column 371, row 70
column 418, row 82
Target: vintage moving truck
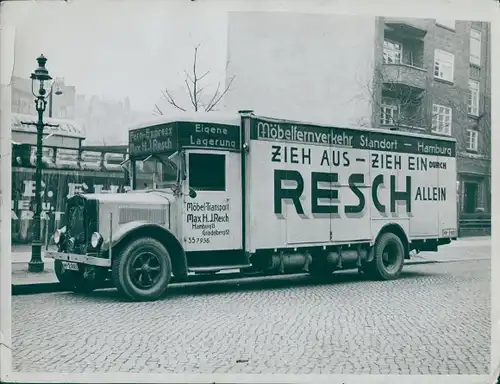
column 264, row 196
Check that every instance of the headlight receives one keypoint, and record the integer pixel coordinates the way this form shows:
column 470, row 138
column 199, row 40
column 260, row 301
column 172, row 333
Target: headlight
column 95, row 240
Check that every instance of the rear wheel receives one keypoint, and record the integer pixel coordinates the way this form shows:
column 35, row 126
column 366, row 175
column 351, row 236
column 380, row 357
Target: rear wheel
column 75, row 280
column 388, row 258
column 142, row 270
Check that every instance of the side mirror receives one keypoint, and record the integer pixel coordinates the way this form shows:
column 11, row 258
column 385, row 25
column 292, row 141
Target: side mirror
column 192, row 193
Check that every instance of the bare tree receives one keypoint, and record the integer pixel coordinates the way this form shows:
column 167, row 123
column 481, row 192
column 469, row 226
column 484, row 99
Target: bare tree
column 195, row 89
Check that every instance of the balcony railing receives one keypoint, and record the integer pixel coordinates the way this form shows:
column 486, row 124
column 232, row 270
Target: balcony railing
column 404, row 74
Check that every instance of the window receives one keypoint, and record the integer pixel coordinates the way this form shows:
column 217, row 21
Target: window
column 388, row 111
column 444, row 63
column 475, row 47
column 62, row 113
column 441, row 119
column 472, row 140
column 207, row 172
column 473, row 98
column 446, row 23
column 392, row 52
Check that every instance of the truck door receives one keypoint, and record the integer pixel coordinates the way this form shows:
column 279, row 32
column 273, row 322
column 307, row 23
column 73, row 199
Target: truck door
column 212, row 219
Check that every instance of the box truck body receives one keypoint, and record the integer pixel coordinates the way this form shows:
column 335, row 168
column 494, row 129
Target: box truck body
column 316, row 185
column 261, row 195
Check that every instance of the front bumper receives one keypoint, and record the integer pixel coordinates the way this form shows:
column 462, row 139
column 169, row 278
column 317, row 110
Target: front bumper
column 77, row 258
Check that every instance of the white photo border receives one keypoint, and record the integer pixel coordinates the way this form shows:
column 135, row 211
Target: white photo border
column 12, row 12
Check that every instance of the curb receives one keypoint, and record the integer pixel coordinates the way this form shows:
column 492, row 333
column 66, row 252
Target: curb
column 34, row 288
column 419, row 262
column 30, row 289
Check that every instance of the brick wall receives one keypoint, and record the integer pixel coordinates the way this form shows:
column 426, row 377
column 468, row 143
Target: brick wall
column 470, row 166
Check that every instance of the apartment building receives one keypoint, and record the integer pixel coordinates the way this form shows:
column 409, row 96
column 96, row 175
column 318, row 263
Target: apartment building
column 433, row 76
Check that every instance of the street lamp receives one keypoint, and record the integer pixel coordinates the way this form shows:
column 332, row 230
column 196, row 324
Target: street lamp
column 40, row 83
column 58, row 92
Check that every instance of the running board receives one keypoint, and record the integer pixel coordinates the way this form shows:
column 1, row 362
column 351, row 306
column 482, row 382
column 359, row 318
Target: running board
column 215, row 269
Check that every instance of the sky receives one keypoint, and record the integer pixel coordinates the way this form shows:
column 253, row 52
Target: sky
column 114, row 50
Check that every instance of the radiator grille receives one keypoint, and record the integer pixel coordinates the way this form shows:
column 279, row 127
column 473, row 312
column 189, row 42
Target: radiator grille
column 151, row 215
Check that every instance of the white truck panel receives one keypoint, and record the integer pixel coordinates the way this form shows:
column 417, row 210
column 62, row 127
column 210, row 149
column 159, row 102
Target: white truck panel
column 212, row 220
column 414, row 190
column 448, row 220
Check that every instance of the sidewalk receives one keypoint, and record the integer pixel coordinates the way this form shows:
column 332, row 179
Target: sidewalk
column 469, row 248
column 21, row 255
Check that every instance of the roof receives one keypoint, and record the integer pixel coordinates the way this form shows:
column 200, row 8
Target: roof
column 66, row 128
column 235, row 119
column 194, row 117
column 106, row 148
column 147, row 198
column 375, row 130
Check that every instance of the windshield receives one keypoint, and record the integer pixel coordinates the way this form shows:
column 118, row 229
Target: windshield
column 158, row 171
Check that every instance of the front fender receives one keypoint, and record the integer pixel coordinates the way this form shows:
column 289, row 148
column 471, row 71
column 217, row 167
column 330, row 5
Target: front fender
column 178, row 256
column 129, row 227
column 122, row 232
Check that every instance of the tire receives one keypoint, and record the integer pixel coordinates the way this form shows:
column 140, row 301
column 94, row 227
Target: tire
column 388, row 258
column 74, row 280
column 129, row 273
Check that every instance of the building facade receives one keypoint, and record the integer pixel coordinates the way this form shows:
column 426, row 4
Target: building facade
column 59, row 106
column 434, row 76
column 418, row 75
column 106, row 122
column 60, row 111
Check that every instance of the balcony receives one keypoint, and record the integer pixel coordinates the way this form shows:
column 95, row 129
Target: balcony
column 403, row 61
column 416, row 28
column 404, row 74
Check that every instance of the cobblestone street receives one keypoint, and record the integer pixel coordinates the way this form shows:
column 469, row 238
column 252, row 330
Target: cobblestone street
column 434, row 320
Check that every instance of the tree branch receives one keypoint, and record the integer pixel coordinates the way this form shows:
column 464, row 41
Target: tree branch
column 217, row 99
column 157, row 110
column 195, row 89
column 191, row 96
column 166, row 94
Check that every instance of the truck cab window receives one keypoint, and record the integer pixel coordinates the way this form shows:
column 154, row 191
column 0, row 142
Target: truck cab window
column 207, row 172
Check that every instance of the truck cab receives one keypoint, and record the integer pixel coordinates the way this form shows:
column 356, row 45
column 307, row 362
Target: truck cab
column 185, row 196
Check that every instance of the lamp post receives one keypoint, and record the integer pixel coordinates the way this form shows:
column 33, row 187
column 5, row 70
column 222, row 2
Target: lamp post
column 40, row 79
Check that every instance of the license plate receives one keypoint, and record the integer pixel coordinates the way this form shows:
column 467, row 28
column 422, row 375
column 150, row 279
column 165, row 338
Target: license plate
column 70, row 266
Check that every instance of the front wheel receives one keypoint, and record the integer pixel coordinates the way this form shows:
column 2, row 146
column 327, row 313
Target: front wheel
column 142, row 270
column 389, row 258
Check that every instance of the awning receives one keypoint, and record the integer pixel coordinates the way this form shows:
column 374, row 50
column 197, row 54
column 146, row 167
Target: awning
column 66, row 128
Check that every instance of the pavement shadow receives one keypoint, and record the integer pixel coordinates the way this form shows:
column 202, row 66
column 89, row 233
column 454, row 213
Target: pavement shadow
column 249, row 284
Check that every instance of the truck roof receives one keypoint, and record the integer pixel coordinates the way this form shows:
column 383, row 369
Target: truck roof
column 191, row 117
column 235, row 119
column 366, row 129
column 151, row 197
